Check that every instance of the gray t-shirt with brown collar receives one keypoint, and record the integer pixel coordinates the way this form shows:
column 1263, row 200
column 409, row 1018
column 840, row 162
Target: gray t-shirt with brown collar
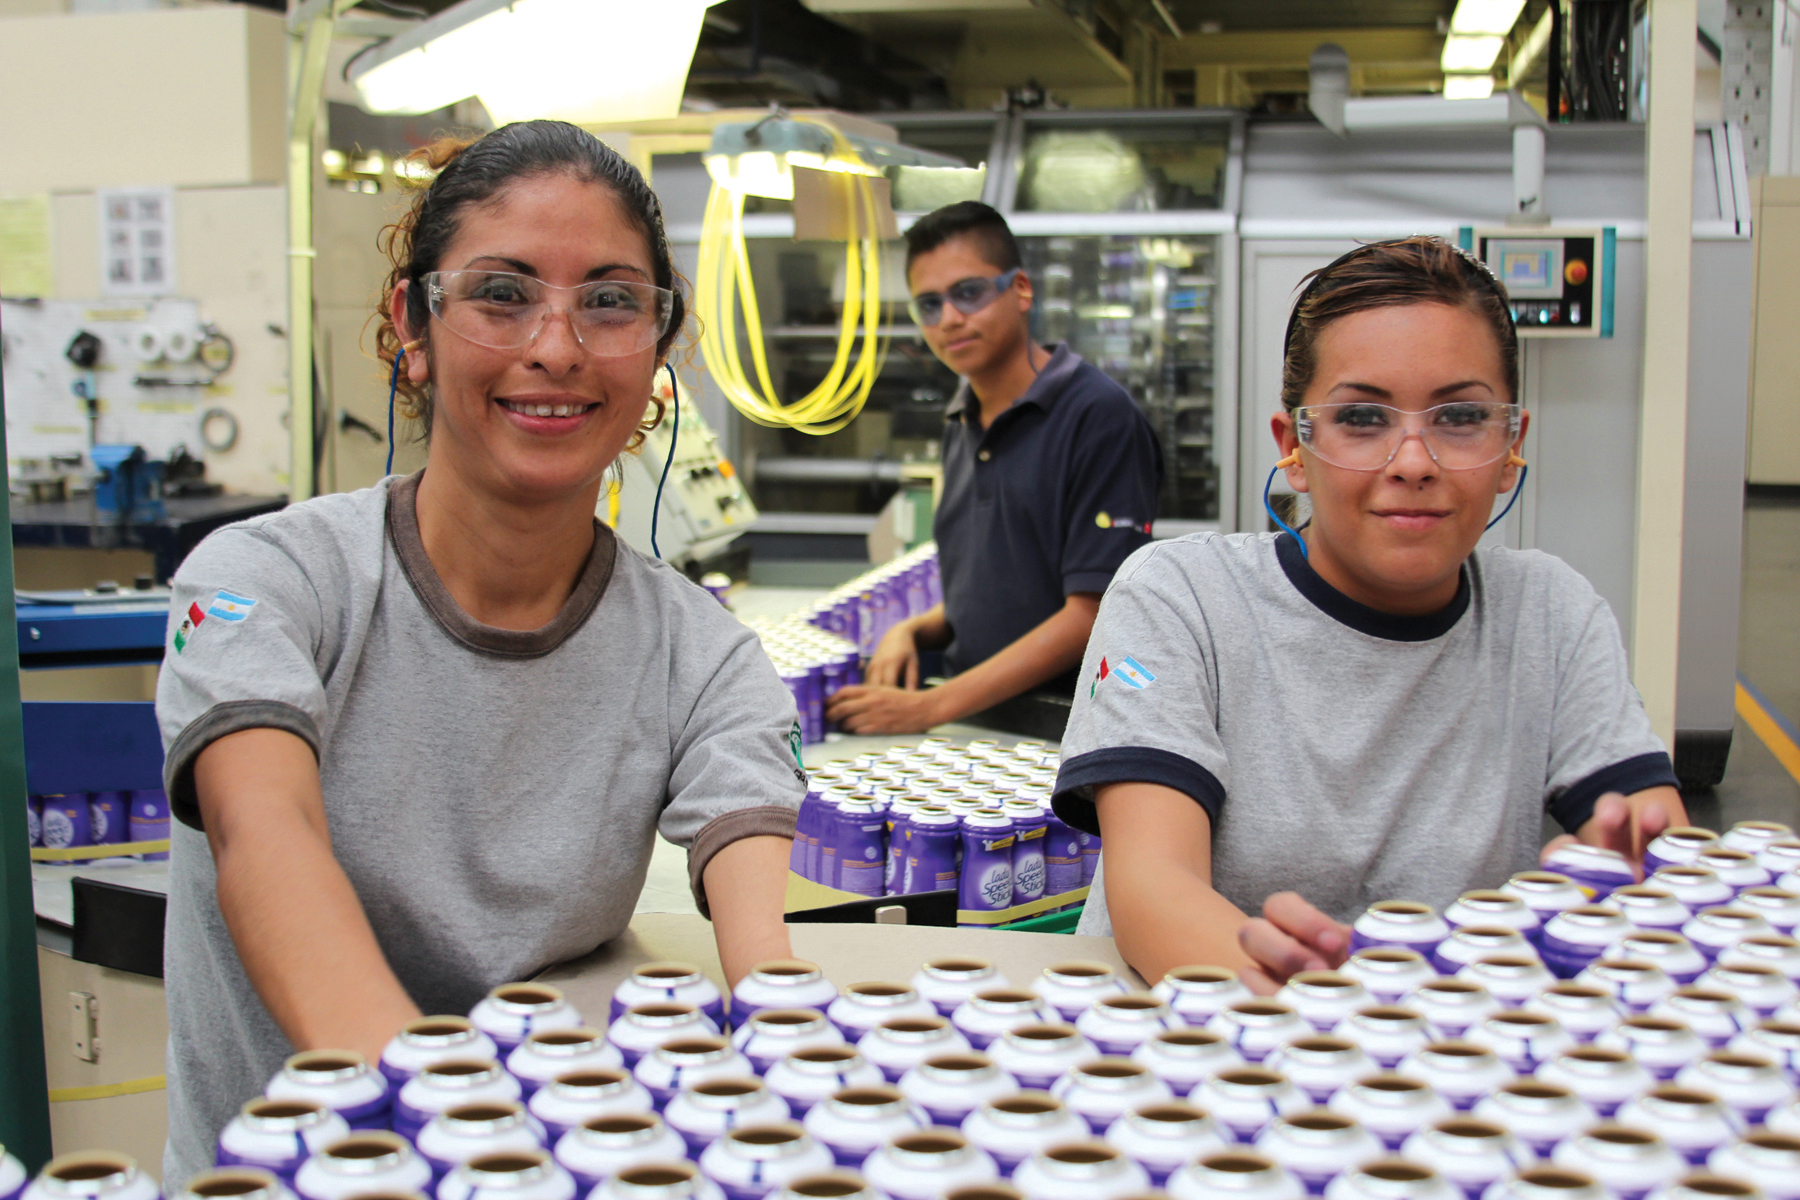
column 492, row 795
column 1345, row 753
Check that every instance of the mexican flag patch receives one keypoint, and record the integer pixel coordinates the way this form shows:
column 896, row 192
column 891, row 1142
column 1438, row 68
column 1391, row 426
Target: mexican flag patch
column 185, row 632
column 224, row 605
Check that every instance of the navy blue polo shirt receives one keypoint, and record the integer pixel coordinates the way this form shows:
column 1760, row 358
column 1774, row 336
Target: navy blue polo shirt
column 1045, row 502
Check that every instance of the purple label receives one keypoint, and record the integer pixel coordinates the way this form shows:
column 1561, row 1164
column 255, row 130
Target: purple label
column 1062, row 858
column 896, row 854
column 65, row 821
column 1028, row 865
column 862, row 852
column 852, row 669
column 986, row 882
column 1565, row 959
column 1090, row 855
column 375, row 1114
column 812, row 711
column 408, row 1121
column 829, row 820
column 150, row 819
column 930, row 858
column 807, row 830
column 109, row 814
column 832, row 678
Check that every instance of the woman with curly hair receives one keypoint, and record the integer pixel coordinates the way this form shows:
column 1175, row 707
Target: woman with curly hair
column 421, row 738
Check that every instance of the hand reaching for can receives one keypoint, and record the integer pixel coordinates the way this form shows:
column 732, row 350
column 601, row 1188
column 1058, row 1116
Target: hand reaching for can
column 1291, row 936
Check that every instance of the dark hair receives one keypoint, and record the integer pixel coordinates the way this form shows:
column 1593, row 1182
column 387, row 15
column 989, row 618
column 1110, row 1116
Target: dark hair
column 467, row 172
column 1414, row 270
column 966, row 218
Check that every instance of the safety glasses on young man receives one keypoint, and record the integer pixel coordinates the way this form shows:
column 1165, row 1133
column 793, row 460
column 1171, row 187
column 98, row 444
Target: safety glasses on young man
column 1459, row 436
column 969, row 295
column 503, row 310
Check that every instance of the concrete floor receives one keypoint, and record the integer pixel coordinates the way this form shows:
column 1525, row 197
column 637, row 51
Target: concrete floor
column 1756, row 785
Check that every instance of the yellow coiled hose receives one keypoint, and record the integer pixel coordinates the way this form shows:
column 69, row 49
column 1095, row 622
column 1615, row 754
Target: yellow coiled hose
column 725, row 280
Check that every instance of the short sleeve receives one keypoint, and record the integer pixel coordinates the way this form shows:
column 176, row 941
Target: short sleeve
column 1113, row 490
column 244, row 626
column 1146, row 705
column 1600, row 737
column 735, row 772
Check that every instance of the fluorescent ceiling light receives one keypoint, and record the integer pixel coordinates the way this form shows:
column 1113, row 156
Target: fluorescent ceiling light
column 587, row 61
column 1470, row 53
column 1468, row 87
column 1494, row 17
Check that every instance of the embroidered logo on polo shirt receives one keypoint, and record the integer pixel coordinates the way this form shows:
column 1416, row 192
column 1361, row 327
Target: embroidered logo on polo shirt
column 228, row 607
column 224, row 606
column 1108, row 521
column 1131, row 672
column 1134, row 673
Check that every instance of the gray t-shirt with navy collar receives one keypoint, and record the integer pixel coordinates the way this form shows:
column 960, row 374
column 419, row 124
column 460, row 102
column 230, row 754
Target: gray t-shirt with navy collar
column 1344, row 753
column 493, row 795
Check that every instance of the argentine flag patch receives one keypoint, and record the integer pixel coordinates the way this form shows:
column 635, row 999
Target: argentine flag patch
column 1134, row 673
column 228, row 607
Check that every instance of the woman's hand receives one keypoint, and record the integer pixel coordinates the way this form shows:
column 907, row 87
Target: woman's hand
column 895, row 662
column 1290, row 937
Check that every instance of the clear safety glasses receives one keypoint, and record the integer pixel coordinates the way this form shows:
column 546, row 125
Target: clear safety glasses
column 503, row 311
column 969, row 295
column 1459, row 436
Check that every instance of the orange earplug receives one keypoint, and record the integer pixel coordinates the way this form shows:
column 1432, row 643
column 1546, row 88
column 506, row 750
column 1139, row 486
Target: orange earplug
column 1291, row 460
column 1513, row 460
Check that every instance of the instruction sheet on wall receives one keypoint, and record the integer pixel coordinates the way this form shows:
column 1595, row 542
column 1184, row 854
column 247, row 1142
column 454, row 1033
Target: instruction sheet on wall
column 25, row 264
column 137, row 241
column 152, row 377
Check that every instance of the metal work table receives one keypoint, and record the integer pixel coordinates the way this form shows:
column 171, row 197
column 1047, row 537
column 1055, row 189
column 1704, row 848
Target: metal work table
column 73, row 523
column 92, row 635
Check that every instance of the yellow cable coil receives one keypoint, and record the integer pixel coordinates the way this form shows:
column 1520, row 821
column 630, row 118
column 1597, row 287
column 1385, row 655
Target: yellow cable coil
column 724, row 279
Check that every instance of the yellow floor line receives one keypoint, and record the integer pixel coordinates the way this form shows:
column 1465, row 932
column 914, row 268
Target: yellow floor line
column 102, row 1091
column 1770, row 731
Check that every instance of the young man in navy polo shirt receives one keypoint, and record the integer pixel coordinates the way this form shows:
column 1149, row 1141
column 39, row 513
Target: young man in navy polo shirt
column 1051, row 475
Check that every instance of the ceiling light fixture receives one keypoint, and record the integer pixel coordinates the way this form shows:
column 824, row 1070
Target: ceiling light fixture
column 1478, row 30
column 586, row 61
column 1470, row 53
column 1492, row 17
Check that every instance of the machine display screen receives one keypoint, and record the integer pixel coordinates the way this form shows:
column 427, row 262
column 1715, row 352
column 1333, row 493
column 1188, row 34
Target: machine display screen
column 1552, row 279
column 1529, row 269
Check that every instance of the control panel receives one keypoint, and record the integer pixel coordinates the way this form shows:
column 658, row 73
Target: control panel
column 704, row 502
column 1559, row 281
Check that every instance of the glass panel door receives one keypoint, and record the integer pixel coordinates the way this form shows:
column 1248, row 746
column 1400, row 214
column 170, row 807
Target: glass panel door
column 1143, row 309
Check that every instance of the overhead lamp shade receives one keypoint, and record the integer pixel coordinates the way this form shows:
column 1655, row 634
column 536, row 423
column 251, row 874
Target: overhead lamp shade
column 586, row 61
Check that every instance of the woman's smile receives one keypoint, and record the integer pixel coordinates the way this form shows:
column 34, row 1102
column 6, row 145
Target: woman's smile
column 549, row 413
